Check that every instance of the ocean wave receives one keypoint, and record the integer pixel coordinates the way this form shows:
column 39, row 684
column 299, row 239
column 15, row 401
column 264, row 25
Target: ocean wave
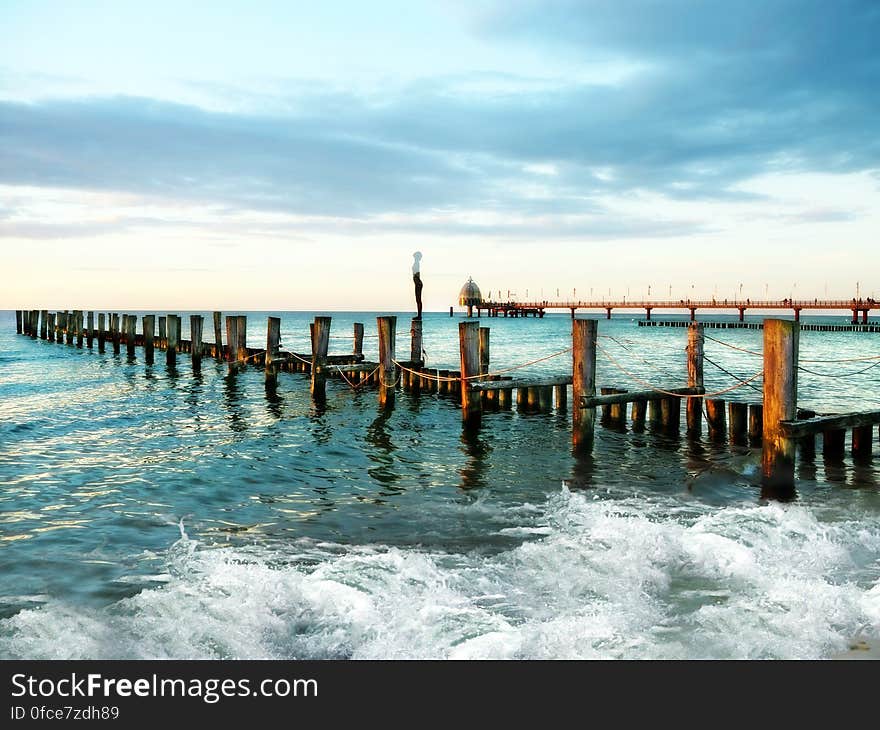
column 600, row 579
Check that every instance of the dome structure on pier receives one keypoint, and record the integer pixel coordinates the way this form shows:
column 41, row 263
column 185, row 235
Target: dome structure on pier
column 470, row 296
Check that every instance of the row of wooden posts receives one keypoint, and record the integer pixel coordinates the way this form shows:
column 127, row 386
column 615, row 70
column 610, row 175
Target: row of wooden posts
column 775, row 423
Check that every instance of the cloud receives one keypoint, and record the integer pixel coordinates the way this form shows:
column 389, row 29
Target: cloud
column 718, row 93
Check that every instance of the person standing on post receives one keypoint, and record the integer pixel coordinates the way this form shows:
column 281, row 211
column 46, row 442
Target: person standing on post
column 417, row 280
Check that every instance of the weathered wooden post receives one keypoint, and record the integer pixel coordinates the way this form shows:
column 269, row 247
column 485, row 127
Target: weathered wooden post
column 561, row 397
column 415, row 349
column 545, row 398
column 35, row 323
column 781, row 344
column 617, row 411
column 218, row 339
column 90, row 332
column 241, row 354
column 231, row 340
column 273, row 341
column 102, row 332
column 484, row 350
column 738, row 417
column 358, row 347
column 50, row 329
column 639, row 410
column 387, row 327
column 717, row 418
column 756, row 423
column 114, row 332
column 130, row 330
column 44, row 316
column 862, row 442
column 172, row 333
column 532, row 399
column 469, row 346
column 196, row 324
column 583, row 340
column 443, row 383
column 320, row 345
column 694, row 406
column 163, row 333
column 505, row 396
column 18, row 319
column 78, row 323
column 149, row 324
column 834, row 444
column 69, row 326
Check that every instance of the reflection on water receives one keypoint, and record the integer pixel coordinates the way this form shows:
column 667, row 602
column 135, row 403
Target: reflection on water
column 477, row 450
column 232, row 400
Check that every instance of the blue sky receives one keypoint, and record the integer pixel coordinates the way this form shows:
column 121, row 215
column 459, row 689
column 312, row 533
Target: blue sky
column 293, row 155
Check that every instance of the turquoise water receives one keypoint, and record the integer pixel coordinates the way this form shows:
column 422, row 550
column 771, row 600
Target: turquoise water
column 154, row 513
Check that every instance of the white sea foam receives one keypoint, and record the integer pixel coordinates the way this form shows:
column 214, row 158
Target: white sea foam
column 595, row 578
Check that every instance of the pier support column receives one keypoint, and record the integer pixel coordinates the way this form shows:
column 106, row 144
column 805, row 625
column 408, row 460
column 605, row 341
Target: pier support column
column 797, row 315
column 18, row 321
column 864, row 316
column 756, row 423
column 196, row 325
column 415, row 348
column 218, row 337
column 387, row 369
column 240, row 345
column 693, row 314
column 607, row 312
column 320, row 345
column 738, row 419
column 694, row 406
column 273, row 341
column 50, row 330
column 781, row 341
column 469, row 345
column 583, row 340
column 742, row 314
column 90, row 329
column 44, row 316
column 855, row 317
column 131, row 328
column 862, row 445
column 149, row 325
column 716, row 417
column 172, row 334
column 78, row 327
column 648, row 314
column 231, row 339
column 358, row 348
column 102, row 331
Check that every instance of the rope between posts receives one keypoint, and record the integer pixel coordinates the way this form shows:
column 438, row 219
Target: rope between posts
column 638, row 357
column 733, row 347
column 838, row 375
column 727, row 372
column 238, row 362
column 670, row 393
column 479, row 376
column 824, row 362
column 355, row 386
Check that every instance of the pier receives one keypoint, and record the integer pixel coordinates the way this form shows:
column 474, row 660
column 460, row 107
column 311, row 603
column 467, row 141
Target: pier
column 773, row 421
column 857, row 307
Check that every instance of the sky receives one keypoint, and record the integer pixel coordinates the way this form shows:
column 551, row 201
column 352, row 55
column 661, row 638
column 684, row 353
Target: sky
column 293, row 155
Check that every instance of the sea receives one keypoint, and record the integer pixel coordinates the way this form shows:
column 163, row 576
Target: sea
column 148, row 512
